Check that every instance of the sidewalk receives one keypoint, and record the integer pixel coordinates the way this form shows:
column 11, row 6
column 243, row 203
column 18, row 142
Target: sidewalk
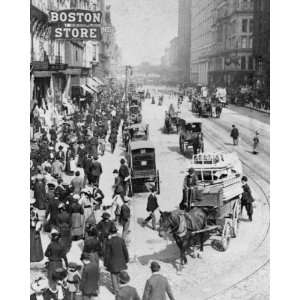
column 257, row 109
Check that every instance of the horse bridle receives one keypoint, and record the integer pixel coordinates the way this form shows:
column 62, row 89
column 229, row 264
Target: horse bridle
column 173, row 226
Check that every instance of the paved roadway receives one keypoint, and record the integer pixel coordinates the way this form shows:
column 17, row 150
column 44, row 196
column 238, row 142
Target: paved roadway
column 239, row 273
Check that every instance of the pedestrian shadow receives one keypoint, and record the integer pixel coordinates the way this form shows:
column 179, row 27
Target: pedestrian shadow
column 140, row 221
column 105, row 280
column 169, row 255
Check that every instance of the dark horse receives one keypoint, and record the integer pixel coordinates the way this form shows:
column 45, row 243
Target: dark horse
column 183, row 225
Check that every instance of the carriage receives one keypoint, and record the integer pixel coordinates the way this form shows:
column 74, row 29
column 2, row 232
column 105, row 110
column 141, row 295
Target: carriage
column 142, row 164
column 218, row 192
column 135, row 115
column 139, row 132
column 189, row 130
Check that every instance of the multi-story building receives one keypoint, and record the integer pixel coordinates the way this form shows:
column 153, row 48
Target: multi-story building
column 231, row 62
column 174, row 52
column 54, row 63
column 202, row 39
column 261, row 45
column 184, row 39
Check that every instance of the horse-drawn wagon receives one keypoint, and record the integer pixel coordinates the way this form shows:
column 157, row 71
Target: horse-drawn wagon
column 189, row 130
column 142, row 164
column 218, row 191
column 212, row 204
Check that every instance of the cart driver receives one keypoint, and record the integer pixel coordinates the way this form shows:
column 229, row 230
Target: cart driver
column 189, row 182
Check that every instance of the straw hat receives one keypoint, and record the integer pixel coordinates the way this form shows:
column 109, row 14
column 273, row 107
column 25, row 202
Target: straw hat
column 39, row 284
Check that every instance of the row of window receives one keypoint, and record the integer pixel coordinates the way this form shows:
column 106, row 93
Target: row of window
column 247, row 25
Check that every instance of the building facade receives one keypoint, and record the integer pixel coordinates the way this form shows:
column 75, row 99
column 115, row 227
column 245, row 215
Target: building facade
column 63, row 64
column 202, row 39
column 174, row 52
column 184, row 39
column 261, row 45
column 231, row 62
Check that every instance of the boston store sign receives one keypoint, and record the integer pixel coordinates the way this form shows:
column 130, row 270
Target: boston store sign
column 75, row 24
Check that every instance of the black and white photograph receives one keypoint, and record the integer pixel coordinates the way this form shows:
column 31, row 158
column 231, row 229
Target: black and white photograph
column 149, row 149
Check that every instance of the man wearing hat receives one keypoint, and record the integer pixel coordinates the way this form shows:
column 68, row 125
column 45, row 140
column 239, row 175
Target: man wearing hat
column 116, row 258
column 189, row 182
column 117, row 186
column 60, row 155
column 89, row 284
column 96, row 170
column 235, row 135
column 124, row 175
column 152, row 206
column 255, row 142
column 124, row 218
column 103, row 228
column 126, row 291
column 157, row 286
column 40, row 192
column 247, row 199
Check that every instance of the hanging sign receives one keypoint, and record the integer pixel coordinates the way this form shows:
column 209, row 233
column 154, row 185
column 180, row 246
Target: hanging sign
column 76, row 24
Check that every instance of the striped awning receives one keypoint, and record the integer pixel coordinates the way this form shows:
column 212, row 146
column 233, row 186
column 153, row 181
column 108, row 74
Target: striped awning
column 87, row 89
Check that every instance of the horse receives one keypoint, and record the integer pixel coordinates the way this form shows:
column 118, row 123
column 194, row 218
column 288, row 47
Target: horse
column 181, row 225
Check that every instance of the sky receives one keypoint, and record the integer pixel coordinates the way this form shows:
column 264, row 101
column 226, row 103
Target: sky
column 144, row 28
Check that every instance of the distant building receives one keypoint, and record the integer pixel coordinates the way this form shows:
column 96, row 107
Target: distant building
column 202, row 39
column 231, row 63
column 174, row 52
column 261, row 45
column 184, row 39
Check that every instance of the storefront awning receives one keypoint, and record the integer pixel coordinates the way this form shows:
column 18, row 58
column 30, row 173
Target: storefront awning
column 98, row 80
column 93, row 85
column 95, row 90
column 87, row 89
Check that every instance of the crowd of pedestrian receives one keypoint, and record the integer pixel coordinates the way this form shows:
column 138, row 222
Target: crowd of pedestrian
column 66, row 193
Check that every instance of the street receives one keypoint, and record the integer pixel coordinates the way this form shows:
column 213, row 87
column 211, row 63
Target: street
column 216, row 275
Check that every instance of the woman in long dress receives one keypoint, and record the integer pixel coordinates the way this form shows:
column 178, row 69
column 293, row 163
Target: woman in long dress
column 56, row 255
column 77, row 219
column 36, row 249
column 87, row 206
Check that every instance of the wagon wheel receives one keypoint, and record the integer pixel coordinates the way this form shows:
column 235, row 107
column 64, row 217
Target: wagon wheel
column 235, row 219
column 157, row 183
column 226, row 233
column 130, row 192
column 181, row 145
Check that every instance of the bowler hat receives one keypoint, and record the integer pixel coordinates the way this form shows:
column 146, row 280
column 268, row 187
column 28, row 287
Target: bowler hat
column 191, row 170
column 84, row 256
column 155, row 266
column 60, row 147
column 244, row 178
column 113, row 230
column 122, row 161
column 105, row 215
column 124, row 277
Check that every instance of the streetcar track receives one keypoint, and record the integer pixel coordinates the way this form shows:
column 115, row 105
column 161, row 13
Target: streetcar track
column 213, row 140
column 255, row 177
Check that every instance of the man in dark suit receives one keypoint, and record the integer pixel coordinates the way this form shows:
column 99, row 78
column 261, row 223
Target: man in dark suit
column 124, row 175
column 116, row 258
column 126, row 291
column 235, row 135
column 157, row 286
column 124, row 218
column 89, row 284
column 104, row 228
column 152, row 205
column 96, row 170
column 247, row 199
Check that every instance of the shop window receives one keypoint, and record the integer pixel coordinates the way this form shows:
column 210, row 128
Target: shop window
column 244, row 42
column 251, row 25
column 94, row 52
column 243, row 62
column 250, row 42
column 250, row 63
column 244, row 25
